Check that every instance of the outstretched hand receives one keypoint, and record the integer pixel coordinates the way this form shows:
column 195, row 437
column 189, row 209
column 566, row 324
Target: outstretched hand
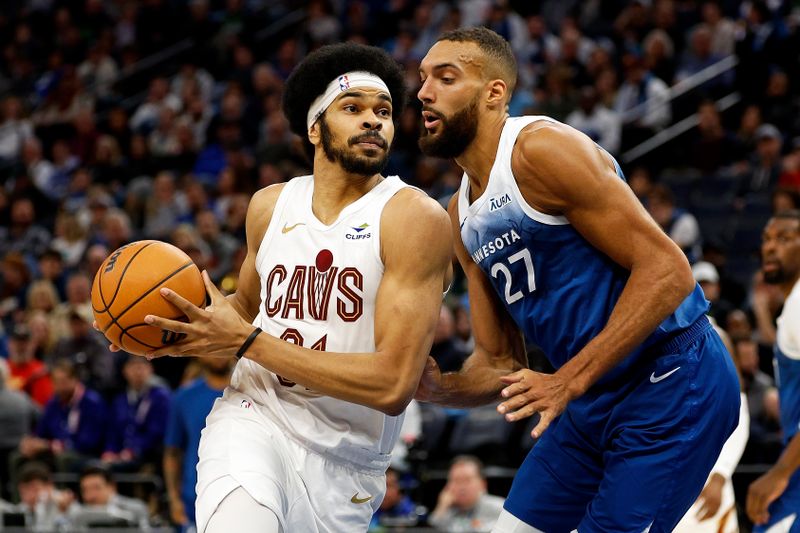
column 215, row 331
column 530, row 392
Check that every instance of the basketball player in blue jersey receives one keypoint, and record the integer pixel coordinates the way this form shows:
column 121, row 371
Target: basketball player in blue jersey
column 773, row 500
column 557, row 249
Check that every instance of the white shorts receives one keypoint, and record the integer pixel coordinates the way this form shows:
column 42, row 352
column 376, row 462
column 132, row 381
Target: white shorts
column 309, row 493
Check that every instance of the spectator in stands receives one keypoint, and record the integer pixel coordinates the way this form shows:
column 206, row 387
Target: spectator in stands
column 165, row 207
column 42, row 296
column 680, row 225
column 138, row 418
column 723, row 29
column 102, row 505
column 187, row 417
column 765, row 440
column 15, row 129
column 659, row 55
column 146, row 115
column 96, row 366
column 397, row 508
column 602, row 125
column 28, row 374
column 45, row 507
column 221, row 245
column 707, row 276
column 790, row 173
column 711, row 146
column 643, row 103
column 51, row 268
column 445, row 350
column 24, row 235
column 699, row 57
column 73, row 426
column 17, row 414
column 79, row 300
column 764, row 167
column 464, row 504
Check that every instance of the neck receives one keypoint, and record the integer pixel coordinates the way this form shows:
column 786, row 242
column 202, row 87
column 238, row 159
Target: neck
column 477, row 160
column 217, row 381
column 787, row 286
column 335, row 189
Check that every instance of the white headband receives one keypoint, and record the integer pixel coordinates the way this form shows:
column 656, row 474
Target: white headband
column 340, row 85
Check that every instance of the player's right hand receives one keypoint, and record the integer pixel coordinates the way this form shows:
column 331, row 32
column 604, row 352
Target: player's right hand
column 763, row 492
column 112, row 347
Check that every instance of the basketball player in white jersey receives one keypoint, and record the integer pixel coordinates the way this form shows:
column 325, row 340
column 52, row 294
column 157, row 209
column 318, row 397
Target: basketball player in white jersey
column 332, row 320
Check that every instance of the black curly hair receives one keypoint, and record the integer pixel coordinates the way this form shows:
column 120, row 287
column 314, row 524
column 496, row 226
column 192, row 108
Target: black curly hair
column 310, row 78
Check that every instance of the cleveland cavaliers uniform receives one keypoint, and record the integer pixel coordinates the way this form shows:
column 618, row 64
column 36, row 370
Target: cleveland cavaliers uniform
column 316, row 461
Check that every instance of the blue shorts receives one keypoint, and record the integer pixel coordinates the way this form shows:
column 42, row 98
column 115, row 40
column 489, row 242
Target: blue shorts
column 785, row 510
column 636, row 454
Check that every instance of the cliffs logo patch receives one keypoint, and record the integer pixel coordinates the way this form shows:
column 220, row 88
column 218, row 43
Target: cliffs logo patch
column 359, row 233
column 499, row 202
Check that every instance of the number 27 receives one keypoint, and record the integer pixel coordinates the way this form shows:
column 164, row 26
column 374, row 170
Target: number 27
column 501, row 268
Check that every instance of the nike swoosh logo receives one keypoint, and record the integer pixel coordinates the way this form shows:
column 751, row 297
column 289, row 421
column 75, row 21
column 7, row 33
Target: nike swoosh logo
column 287, row 229
column 654, row 379
column 356, row 499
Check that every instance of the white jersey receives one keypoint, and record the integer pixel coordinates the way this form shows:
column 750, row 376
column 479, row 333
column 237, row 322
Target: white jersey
column 318, row 288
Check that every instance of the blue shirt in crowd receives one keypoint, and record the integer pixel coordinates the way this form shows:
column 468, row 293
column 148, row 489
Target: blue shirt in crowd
column 187, row 418
column 79, row 424
column 139, row 421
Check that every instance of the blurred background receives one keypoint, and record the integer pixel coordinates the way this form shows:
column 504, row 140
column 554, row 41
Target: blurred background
column 123, row 120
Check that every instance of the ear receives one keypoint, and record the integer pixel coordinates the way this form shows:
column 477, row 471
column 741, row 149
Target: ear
column 314, row 134
column 498, row 93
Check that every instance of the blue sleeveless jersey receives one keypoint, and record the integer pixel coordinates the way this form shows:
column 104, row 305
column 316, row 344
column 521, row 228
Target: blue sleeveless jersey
column 787, row 364
column 557, row 287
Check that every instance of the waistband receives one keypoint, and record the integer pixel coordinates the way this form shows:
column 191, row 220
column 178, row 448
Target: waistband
column 687, row 336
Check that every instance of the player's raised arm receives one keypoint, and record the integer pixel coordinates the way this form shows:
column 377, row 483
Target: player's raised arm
column 247, row 297
column 499, row 344
column 582, row 185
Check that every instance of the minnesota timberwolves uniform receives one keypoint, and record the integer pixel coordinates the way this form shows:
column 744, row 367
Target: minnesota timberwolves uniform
column 316, row 461
column 784, row 511
column 633, row 452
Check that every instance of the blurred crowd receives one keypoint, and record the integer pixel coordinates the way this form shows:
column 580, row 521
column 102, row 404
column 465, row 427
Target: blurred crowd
column 123, row 120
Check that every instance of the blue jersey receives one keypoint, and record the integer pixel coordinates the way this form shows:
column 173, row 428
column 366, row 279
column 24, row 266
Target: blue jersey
column 558, row 288
column 187, row 418
column 787, row 364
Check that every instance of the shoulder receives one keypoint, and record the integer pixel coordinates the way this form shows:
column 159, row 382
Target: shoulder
column 259, row 212
column 542, row 143
column 412, row 204
column 412, row 220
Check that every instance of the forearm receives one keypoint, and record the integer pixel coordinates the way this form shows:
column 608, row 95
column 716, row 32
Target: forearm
column 172, row 471
column 375, row 379
column 789, row 460
column 734, row 447
column 649, row 297
column 473, row 385
column 764, row 323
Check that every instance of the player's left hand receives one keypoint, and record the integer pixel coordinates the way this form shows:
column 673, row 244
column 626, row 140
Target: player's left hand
column 216, row 331
column 711, row 497
column 530, row 392
column 763, row 492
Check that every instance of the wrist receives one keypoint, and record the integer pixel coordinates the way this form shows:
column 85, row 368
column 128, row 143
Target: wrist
column 247, row 342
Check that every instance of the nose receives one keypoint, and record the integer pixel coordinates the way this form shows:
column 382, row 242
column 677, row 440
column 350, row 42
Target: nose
column 425, row 93
column 372, row 123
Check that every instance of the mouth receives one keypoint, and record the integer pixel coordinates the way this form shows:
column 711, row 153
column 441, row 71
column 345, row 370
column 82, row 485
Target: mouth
column 770, row 265
column 431, row 120
column 370, row 143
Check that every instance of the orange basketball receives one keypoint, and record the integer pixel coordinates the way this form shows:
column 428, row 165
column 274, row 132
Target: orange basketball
column 126, row 289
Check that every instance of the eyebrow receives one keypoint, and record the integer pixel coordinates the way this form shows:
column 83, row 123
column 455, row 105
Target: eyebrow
column 356, row 94
column 442, row 66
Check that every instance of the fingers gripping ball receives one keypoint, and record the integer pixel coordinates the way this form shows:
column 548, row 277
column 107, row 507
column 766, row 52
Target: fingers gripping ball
column 126, row 289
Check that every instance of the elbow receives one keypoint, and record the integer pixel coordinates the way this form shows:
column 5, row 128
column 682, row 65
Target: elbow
column 681, row 281
column 394, row 402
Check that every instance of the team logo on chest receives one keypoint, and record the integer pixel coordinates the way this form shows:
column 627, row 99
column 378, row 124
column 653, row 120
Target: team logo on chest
column 499, row 202
column 360, row 233
column 310, row 288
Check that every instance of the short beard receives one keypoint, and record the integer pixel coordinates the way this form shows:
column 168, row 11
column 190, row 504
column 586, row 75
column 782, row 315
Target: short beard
column 457, row 132
column 775, row 277
column 350, row 162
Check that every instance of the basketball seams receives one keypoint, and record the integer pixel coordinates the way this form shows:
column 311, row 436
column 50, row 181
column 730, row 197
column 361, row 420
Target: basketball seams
column 124, row 332
column 119, row 282
column 151, row 289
